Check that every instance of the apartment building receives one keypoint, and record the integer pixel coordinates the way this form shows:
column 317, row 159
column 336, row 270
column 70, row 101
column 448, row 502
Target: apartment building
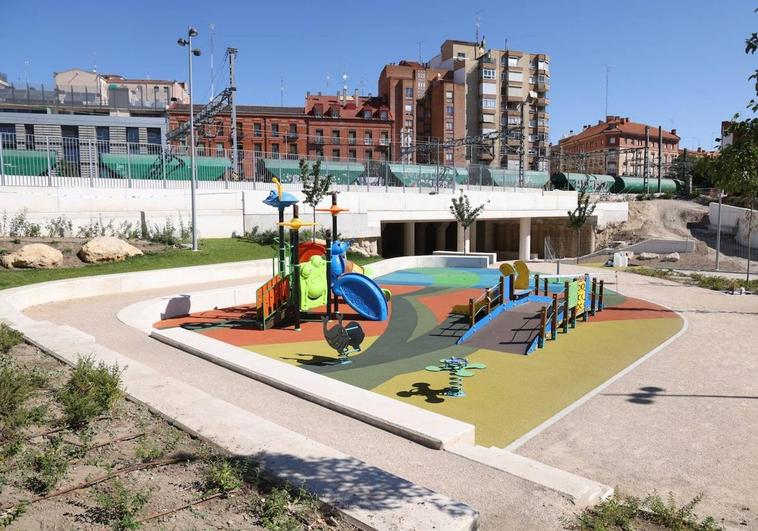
column 469, row 90
column 617, row 146
column 348, row 127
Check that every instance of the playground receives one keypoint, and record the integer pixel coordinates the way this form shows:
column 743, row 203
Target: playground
column 510, row 385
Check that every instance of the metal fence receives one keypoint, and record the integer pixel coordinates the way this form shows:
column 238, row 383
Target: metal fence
column 82, row 96
column 34, row 160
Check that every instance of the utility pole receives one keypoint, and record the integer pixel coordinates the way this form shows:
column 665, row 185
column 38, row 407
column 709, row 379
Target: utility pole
column 607, row 73
column 232, row 52
column 212, row 28
column 660, row 156
column 645, row 163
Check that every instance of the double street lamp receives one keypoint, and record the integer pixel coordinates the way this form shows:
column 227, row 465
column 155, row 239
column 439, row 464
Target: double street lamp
column 192, row 32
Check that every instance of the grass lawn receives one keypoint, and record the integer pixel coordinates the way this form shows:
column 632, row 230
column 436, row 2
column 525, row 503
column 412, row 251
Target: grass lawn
column 212, row 251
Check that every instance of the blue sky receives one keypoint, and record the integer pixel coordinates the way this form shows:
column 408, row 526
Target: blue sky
column 676, row 63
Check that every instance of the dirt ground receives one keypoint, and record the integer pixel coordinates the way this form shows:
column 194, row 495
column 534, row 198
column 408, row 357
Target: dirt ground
column 677, row 219
column 132, row 436
column 70, row 246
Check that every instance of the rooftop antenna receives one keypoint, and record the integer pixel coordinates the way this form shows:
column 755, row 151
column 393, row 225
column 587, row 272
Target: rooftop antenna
column 94, row 62
column 328, row 78
column 212, row 31
column 361, row 85
column 478, row 21
column 344, row 87
column 607, row 76
column 281, row 89
column 419, row 50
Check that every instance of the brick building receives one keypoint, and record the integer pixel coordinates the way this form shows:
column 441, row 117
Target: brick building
column 616, row 146
column 352, row 128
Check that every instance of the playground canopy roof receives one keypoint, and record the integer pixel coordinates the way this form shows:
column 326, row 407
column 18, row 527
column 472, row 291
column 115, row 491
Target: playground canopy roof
column 139, row 166
column 27, row 162
column 288, row 171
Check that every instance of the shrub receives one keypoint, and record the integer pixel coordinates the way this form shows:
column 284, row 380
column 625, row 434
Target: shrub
column 59, row 227
column 275, row 511
column 266, row 237
column 96, row 228
column 90, row 391
column 47, row 467
column 120, row 506
column 9, row 338
column 21, row 227
column 17, row 386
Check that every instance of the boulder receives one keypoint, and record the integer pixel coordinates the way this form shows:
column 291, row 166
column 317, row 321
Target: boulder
column 107, row 249
column 647, row 256
column 671, row 257
column 33, row 255
column 366, row 247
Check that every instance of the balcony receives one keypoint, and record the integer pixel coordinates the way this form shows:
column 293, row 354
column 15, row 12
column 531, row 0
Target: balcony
column 543, row 102
column 384, row 143
column 368, row 141
column 318, row 140
column 351, row 141
column 542, row 86
column 336, row 141
column 291, row 137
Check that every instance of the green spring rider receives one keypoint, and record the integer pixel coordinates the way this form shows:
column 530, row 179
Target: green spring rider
column 457, row 369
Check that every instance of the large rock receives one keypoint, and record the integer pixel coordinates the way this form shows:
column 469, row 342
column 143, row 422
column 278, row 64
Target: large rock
column 671, row 257
column 647, row 256
column 107, row 249
column 366, row 247
column 33, row 255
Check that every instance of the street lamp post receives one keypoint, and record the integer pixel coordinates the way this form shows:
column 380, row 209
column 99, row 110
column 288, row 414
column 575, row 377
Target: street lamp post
column 192, row 32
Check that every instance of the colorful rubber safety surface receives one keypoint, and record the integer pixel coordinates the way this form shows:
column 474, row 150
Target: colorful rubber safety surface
column 505, row 399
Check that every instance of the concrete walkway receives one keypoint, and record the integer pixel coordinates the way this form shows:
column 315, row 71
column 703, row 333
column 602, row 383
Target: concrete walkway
column 503, row 500
column 686, row 420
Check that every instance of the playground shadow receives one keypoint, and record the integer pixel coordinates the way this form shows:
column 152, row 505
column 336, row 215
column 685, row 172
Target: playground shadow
column 232, row 324
column 431, row 396
column 453, row 327
column 648, row 395
column 315, row 360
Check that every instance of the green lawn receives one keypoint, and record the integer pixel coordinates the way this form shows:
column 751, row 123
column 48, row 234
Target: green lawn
column 212, row 251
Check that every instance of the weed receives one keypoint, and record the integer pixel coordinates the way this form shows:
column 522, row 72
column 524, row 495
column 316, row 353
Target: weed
column 613, row 513
column 90, row 391
column 120, row 505
column 147, row 450
column 96, row 228
column 17, row 385
column 221, row 475
column 671, row 516
column 280, row 509
column 723, row 284
column 9, row 338
column 266, row 237
column 8, row 516
column 650, row 272
column 47, row 467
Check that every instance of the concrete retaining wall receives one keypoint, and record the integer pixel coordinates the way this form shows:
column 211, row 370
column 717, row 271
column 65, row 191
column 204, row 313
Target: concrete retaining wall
column 734, row 220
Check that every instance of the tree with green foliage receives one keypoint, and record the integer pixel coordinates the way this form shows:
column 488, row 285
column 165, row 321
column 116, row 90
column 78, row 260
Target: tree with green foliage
column 465, row 215
column 315, row 186
column 579, row 216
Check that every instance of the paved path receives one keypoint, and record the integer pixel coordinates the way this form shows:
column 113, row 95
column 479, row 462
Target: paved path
column 686, row 420
column 504, row 501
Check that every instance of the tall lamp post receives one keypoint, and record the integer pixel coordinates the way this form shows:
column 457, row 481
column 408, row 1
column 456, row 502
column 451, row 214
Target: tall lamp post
column 192, row 32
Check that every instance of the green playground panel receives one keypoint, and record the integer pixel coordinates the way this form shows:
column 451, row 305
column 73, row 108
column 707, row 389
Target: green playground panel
column 288, row 171
column 139, row 166
column 573, row 294
column 28, row 162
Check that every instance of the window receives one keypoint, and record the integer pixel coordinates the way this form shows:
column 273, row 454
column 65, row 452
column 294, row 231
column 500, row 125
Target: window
column 258, row 147
column 275, row 150
column 201, row 149
column 612, row 140
column 383, row 115
column 367, row 114
column 448, row 126
column 220, row 128
column 319, row 136
column 421, row 86
column 515, row 76
column 320, row 152
column 274, row 129
column 351, row 137
column 70, row 135
column 448, row 158
column 408, row 124
column 103, row 136
column 461, row 55
column 512, row 61
column 293, row 149
column 488, row 103
column 293, row 129
column 335, row 137
column 256, row 129
column 219, row 149
column 488, row 73
column 409, row 92
column 132, row 137
column 408, row 108
column 369, row 154
column 335, row 153
column 29, row 132
column 154, row 139
column 449, row 94
column 384, row 140
column 450, row 110
column 368, row 139
column 352, row 154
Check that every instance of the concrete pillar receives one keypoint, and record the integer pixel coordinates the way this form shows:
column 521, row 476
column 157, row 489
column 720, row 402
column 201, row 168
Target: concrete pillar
column 441, row 236
column 489, row 236
column 409, row 238
column 460, row 240
column 472, row 236
column 524, row 238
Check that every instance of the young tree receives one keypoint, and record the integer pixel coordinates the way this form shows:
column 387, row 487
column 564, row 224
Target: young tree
column 579, row 216
column 465, row 215
column 736, row 169
column 315, row 186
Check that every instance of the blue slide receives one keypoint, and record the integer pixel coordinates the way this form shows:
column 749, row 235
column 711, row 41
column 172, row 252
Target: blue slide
column 363, row 295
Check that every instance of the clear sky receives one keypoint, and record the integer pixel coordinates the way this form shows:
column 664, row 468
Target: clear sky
column 675, row 63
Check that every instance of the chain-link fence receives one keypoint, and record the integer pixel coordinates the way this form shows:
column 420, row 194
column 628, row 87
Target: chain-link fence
column 34, row 160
